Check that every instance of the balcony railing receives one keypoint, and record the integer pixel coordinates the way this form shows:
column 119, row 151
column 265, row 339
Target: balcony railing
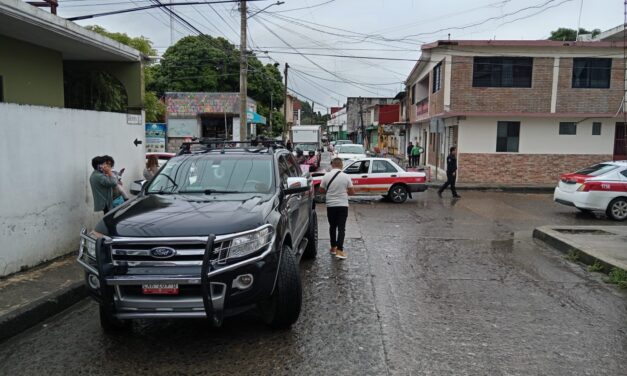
column 422, row 107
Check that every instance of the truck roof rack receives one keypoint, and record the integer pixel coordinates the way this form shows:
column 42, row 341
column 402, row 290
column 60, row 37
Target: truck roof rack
column 206, row 145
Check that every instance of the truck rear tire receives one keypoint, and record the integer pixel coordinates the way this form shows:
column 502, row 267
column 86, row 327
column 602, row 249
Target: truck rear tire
column 282, row 309
column 110, row 324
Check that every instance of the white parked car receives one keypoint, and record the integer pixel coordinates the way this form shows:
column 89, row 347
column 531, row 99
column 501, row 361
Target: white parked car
column 380, row 176
column 601, row 187
column 349, row 151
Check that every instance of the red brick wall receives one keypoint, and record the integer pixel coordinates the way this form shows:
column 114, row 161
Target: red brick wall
column 571, row 99
column 521, row 168
column 537, row 98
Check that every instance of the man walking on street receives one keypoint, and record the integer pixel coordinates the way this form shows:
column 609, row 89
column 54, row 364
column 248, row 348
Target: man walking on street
column 409, row 158
column 337, row 186
column 451, row 173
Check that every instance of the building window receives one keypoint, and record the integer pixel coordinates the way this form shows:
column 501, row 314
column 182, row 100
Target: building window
column 568, row 128
column 437, row 77
column 502, row 71
column 591, row 73
column 507, row 135
column 596, row 129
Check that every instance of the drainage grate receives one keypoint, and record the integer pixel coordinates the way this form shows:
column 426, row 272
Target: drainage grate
column 573, row 231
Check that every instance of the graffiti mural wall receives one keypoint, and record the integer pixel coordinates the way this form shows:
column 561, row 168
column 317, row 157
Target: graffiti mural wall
column 185, row 105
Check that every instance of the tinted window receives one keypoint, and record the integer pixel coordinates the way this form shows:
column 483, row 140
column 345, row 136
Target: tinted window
column 358, row 168
column 284, row 170
column 596, row 170
column 507, row 136
column 382, row 167
column 591, row 73
column 197, row 175
column 502, row 72
column 624, row 173
column 568, row 128
column 294, row 168
column 596, row 129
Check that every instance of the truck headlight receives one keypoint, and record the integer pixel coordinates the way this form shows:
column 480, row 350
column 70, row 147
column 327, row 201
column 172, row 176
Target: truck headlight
column 88, row 246
column 250, row 243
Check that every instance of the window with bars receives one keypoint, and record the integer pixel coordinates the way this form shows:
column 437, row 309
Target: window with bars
column 413, row 94
column 507, row 136
column 596, row 129
column 502, row 71
column 591, row 73
column 437, row 77
column 568, row 128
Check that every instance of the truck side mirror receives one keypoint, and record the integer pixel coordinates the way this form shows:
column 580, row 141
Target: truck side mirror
column 137, row 186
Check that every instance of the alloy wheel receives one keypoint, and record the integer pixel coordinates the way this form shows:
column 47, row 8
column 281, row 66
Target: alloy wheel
column 619, row 210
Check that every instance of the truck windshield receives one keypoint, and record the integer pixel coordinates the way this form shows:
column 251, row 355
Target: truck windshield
column 214, row 174
column 307, row 147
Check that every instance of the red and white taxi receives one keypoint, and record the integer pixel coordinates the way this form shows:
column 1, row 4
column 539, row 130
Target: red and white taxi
column 381, row 176
column 601, row 187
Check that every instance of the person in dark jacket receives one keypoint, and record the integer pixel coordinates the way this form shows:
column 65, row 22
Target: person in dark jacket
column 451, row 173
column 409, row 158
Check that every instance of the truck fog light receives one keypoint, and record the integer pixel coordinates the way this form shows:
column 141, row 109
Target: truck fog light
column 93, row 281
column 243, row 281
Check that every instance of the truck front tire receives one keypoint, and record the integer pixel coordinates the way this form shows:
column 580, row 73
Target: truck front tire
column 282, row 309
column 110, row 324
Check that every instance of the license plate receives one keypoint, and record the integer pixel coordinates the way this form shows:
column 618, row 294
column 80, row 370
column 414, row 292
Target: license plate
column 161, row 288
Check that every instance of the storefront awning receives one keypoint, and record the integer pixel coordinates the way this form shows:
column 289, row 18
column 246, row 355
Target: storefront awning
column 255, row 118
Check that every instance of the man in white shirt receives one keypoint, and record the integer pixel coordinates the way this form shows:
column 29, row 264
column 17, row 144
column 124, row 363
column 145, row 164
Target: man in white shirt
column 337, row 186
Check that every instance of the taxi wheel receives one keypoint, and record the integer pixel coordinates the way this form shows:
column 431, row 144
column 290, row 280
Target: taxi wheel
column 617, row 209
column 398, row 194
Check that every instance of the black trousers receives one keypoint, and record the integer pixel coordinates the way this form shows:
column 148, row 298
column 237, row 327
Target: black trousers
column 450, row 180
column 337, row 225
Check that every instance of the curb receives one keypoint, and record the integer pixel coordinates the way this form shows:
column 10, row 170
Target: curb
column 568, row 249
column 19, row 320
column 528, row 189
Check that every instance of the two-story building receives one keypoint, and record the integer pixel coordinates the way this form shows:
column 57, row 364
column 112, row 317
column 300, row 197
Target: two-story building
column 518, row 111
column 53, row 122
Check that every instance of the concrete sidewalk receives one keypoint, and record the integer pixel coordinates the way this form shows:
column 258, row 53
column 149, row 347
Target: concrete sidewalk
column 606, row 245
column 29, row 297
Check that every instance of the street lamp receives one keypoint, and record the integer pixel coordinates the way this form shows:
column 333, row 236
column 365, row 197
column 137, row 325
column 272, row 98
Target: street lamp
column 261, row 10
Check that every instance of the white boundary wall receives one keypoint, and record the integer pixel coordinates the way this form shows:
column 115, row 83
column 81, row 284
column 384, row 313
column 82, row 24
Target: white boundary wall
column 45, row 197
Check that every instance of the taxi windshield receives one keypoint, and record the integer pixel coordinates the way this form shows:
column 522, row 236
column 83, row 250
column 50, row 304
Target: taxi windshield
column 214, row 174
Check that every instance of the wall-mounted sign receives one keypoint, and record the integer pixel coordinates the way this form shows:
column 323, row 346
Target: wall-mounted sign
column 155, row 137
column 134, row 119
column 183, row 128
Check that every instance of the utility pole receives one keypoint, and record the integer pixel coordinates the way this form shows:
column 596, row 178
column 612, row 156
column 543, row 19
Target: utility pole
column 271, row 105
column 286, row 128
column 361, row 117
column 243, row 73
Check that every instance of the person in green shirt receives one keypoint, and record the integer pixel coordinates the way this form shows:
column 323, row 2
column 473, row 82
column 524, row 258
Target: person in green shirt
column 415, row 155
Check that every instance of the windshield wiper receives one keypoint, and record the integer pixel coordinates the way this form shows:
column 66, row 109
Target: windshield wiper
column 208, row 191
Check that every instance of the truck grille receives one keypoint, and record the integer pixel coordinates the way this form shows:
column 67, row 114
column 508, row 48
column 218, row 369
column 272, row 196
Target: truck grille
column 138, row 254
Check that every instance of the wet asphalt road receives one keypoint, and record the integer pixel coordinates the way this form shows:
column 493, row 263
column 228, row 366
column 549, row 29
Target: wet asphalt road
column 431, row 287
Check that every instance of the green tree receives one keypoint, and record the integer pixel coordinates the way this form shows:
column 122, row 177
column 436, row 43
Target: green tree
column 204, row 63
column 154, row 107
column 566, row 34
column 142, row 44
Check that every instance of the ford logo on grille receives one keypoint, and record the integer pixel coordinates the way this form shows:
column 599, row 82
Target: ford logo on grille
column 162, row 252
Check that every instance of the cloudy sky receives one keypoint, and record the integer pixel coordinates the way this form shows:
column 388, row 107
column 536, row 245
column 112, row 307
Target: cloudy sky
column 299, row 31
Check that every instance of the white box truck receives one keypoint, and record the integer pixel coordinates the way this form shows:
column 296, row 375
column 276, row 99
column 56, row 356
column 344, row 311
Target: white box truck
column 307, row 134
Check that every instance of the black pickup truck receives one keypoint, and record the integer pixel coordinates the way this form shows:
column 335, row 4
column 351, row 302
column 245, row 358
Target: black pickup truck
column 218, row 231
